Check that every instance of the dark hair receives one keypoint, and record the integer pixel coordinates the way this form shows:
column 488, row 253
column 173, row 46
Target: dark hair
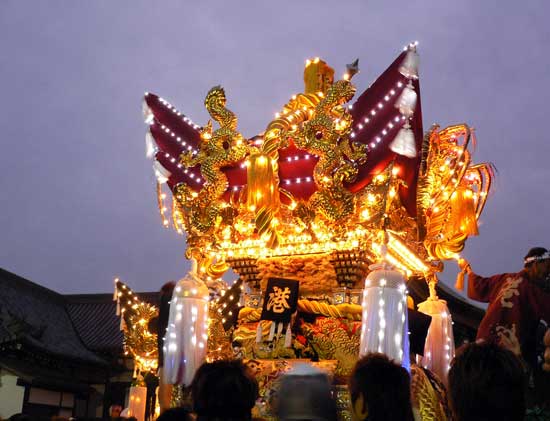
column 534, row 252
column 167, row 289
column 223, row 390
column 174, row 414
column 159, row 324
column 487, row 382
column 385, row 387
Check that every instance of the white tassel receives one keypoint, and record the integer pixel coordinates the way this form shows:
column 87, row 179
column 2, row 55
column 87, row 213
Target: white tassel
column 150, row 145
column 271, row 331
column 404, row 143
column 115, row 293
column 259, row 333
column 407, row 100
column 118, row 307
column 288, row 336
column 122, row 323
column 409, row 67
column 439, row 349
column 161, row 173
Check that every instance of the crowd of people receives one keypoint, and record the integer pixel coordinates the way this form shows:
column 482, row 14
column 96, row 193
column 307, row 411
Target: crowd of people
column 486, row 382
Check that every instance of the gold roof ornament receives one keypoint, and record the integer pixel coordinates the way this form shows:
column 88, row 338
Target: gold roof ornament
column 326, row 176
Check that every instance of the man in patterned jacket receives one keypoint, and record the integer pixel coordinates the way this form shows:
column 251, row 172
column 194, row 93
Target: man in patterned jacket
column 516, row 303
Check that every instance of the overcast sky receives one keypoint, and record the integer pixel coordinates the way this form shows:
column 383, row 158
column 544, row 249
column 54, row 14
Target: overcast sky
column 77, row 194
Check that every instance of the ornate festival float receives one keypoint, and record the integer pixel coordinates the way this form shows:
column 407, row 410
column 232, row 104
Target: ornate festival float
column 325, row 216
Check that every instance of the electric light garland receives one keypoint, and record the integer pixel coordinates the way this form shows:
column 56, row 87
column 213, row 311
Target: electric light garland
column 325, row 202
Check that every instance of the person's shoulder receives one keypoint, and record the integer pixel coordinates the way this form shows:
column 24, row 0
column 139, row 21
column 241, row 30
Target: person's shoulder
column 513, row 276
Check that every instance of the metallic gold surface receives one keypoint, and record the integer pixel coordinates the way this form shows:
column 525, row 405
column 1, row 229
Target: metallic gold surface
column 219, row 148
column 451, row 192
column 266, row 223
column 326, row 134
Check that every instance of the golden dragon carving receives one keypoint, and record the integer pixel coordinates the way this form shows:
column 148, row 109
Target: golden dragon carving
column 326, row 134
column 219, row 148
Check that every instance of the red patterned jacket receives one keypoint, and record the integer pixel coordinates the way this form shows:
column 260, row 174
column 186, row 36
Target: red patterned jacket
column 515, row 307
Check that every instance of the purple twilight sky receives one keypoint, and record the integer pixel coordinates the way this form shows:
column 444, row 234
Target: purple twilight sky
column 78, row 195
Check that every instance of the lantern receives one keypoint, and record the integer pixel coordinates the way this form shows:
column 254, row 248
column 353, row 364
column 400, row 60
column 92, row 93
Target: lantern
column 384, row 324
column 137, row 402
column 186, row 335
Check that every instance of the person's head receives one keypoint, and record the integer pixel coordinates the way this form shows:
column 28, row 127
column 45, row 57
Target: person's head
column 305, row 393
column 223, row 390
column 115, row 410
column 167, row 289
column 537, row 263
column 174, row 414
column 486, row 382
column 380, row 390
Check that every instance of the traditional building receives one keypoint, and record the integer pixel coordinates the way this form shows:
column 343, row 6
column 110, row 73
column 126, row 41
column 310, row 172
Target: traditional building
column 60, row 354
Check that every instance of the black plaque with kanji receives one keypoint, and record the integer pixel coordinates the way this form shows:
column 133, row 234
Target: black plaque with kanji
column 280, row 299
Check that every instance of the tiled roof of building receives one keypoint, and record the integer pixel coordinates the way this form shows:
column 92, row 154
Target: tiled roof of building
column 36, row 318
column 94, row 317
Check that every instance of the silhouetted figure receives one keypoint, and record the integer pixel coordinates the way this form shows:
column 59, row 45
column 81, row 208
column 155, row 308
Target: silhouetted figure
column 305, row 394
column 174, row 414
column 487, row 382
column 380, row 390
column 223, row 391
